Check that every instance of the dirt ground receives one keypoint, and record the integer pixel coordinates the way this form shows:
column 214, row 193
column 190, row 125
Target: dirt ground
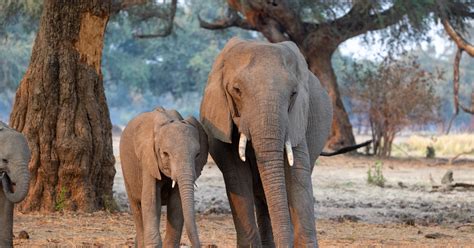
column 349, row 211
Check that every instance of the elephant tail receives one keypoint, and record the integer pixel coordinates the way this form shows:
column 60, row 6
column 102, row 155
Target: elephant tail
column 346, row 149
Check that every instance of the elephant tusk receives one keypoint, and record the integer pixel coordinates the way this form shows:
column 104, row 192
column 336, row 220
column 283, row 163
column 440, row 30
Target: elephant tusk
column 289, row 152
column 173, row 184
column 242, row 146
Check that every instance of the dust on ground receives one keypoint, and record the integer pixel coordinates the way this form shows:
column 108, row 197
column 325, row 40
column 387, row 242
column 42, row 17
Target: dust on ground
column 349, row 211
column 103, row 229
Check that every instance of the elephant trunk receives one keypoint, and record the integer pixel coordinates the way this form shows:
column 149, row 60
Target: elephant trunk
column 21, row 177
column 268, row 136
column 186, row 191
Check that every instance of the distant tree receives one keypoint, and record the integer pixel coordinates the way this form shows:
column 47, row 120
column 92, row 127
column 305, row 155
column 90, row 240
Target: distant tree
column 141, row 73
column 319, row 27
column 393, row 95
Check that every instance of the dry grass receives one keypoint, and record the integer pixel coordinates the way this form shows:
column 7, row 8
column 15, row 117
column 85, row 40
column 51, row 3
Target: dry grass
column 444, row 145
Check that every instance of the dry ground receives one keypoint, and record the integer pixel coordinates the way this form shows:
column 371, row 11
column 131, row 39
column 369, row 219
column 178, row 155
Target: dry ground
column 116, row 230
column 350, row 212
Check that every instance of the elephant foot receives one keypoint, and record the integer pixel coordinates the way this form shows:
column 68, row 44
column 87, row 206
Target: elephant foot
column 6, row 244
column 268, row 244
column 153, row 246
column 255, row 243
column 171, row 245
column 308, row 245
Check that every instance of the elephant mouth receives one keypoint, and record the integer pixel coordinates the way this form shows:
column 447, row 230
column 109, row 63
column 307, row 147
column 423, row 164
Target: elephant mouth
column 3, row 174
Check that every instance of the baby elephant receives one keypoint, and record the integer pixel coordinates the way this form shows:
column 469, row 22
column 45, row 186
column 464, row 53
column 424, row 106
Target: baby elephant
column 14, row 178
column 162, row 155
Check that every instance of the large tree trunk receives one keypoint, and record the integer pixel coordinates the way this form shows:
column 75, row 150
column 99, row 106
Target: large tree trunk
column 61, row 108
column 319, row 62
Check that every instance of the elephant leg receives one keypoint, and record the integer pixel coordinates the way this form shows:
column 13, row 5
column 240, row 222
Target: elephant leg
column 238, row 183
column 151, row 211
column 300, row 197
column 174, row 219
column 6, row 221
column 264, row 223
column 137, row 217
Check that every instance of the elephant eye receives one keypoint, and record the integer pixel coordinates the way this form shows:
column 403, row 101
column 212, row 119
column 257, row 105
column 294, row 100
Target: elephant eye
column 237, row 90
column 197, row 155
column 292, row 99
column 5, row 161
column 164, row 155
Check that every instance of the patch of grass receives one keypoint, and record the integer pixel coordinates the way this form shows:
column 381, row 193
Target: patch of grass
column 443, row 145
column 110, row 205
column 61, row 199
column 376, row 177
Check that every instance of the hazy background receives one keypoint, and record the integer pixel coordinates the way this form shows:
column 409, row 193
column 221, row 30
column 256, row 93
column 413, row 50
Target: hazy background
column 140, row 74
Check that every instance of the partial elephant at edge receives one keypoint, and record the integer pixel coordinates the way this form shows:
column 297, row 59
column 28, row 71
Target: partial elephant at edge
column 14, row 176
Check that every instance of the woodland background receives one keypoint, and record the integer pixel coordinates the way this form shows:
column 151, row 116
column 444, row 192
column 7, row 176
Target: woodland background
column 140, row 74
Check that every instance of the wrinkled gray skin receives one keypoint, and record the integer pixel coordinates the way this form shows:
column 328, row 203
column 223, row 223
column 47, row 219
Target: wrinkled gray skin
column 156, row 148
column 14, row 177
column 266, row 92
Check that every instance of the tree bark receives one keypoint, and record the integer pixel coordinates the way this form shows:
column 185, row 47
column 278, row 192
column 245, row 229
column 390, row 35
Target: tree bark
column 319, row 62
column 60, row 107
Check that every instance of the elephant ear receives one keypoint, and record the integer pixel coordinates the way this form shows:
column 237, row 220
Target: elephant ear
column 145, row 147
column 298, row 115
column 215, row 108
column 201, row 159
column 174, row 114
column 166, row 114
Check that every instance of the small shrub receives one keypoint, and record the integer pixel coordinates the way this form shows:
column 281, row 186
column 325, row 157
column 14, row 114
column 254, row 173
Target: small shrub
column 61, row 199
column 110, row 205
column 430, row 152
column 376, row 177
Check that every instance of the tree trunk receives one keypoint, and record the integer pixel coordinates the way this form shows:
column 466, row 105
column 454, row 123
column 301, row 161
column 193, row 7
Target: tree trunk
column 61, row 108
column 319, row 62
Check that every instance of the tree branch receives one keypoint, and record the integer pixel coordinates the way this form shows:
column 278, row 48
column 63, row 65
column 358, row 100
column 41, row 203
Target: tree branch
column 169, row 22
column 359, row 20
column 286, row 18
column 457, row 104
column 231, row 20
column 457, row 38
column 119, row 5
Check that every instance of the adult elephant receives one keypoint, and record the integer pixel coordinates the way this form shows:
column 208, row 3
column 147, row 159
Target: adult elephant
column 264, row 94
column 14, row 177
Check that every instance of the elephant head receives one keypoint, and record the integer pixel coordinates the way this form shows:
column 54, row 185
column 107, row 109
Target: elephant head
column 179, row 151
column 261, row 90
column 14, row 159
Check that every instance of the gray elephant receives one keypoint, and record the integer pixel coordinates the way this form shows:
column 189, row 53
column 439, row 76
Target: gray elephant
column 159, row 149
column 267, row 118
column 14, row 177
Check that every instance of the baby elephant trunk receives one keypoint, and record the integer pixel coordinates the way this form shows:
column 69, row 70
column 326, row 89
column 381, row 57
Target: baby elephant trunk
column 186, row 191
column 21, row 177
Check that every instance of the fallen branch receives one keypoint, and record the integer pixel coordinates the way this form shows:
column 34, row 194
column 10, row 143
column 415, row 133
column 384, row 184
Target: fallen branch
column 451, row 160
column 447, row 183
column 464, row 225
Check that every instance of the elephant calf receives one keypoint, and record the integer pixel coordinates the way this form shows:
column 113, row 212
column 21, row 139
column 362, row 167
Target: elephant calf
column 162, row 155
column 14, row 159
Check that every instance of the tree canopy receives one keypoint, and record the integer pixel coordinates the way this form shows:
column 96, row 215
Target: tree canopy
column 142, row 73
column 319, row 27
